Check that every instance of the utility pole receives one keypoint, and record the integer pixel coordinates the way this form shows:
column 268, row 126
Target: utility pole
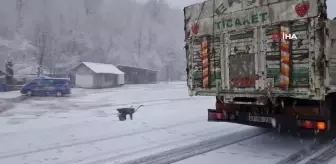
column 167, row 73
column 42, row 51
column 19, row 21
column 9, row 73
column 140, row 34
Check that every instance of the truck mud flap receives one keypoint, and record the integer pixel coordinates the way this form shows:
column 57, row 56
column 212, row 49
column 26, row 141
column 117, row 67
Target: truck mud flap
column 214, row 116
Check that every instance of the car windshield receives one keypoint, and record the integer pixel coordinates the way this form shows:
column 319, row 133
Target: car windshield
column 46, row 81
column 60, row 81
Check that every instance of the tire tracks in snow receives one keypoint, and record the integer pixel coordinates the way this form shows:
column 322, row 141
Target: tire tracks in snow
column 157, row 102
column 129, row 152
column 8, row 103
column 71, row 105
column 307, row 151
column 325, row 156
column 95, row 140
column 188, row 151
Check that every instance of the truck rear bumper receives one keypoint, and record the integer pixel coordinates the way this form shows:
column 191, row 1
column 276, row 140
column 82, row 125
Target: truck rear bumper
column 281, row 122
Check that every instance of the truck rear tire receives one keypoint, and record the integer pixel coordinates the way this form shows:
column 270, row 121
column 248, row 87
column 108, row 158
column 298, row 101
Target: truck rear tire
column 330, row 106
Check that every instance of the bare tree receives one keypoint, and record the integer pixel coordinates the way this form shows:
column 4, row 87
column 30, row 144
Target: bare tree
column 41, row 49
column 91, row 6
column 43, row 44
column 19, row 20
column 140, row 34
column 95, row 30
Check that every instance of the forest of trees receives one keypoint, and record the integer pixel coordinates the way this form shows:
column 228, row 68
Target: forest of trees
column 58, row 34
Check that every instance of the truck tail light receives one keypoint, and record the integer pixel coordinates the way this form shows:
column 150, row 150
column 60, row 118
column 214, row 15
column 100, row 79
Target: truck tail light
column 308, row 124
column 321, row 126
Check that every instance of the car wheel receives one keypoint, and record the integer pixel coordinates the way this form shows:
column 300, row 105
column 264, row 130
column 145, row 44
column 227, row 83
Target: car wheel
column 29, row 93
column 59, row 94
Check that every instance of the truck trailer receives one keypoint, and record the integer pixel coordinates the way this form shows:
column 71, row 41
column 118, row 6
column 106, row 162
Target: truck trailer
column 268, row 63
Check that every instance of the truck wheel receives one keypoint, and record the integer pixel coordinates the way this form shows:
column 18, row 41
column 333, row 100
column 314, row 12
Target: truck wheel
column 330, row 106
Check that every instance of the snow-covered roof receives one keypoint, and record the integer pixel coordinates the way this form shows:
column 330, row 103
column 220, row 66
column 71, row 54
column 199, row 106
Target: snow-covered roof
column 137, row 67
column 103, row 68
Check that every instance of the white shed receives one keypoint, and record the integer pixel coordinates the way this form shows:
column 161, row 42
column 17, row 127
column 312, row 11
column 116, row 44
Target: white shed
column 97, row 75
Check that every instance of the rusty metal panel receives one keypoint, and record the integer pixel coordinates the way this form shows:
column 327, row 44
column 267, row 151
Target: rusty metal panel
column 299, row 55
column 196, row 65
column 331, row 43
column 248, row 65
column 241, row 59
column 216, row 16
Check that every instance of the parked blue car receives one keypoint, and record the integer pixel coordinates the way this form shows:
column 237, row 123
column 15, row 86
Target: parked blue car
column 47, row 87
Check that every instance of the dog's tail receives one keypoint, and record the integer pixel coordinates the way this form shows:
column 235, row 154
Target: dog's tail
column 138, row 108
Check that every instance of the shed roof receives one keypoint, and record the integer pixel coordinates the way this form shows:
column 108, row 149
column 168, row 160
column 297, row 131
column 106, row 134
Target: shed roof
column 137, row 68
column 103, row 68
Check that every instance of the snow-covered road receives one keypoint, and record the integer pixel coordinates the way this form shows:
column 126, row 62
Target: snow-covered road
column 84, row 129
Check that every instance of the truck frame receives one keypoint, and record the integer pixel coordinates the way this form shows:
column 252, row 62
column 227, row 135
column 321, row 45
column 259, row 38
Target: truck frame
column 259, row 80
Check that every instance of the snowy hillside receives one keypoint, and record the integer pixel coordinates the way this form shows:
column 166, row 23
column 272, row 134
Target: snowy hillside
column 111, row 31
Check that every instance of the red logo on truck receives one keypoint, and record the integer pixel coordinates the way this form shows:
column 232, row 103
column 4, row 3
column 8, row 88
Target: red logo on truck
column 276, row 36
column 195, row 28
column 302, row 8
column 243, row 82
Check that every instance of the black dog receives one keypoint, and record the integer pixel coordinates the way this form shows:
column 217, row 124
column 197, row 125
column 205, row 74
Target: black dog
column 123, row 112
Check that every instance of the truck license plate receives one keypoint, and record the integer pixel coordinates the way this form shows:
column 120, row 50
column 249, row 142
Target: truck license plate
column 260, row 119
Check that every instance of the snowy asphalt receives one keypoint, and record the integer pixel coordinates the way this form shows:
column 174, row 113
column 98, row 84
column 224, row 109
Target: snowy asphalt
column 171, row 127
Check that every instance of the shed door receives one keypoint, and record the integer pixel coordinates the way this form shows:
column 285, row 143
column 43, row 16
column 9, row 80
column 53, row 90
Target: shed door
column 121, row 79
column 84, row 81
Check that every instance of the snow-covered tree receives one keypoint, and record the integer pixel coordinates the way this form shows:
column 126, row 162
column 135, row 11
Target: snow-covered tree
column 65, row 33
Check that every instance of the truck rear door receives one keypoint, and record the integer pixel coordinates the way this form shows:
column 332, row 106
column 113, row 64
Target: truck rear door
column 240, row 59
column 204, row 67
column 287, row 60
column 331, row 56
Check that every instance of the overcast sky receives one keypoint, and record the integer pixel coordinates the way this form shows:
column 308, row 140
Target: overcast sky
column 183, row 3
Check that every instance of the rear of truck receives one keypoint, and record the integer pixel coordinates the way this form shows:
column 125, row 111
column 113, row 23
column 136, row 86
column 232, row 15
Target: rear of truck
column 259, row 79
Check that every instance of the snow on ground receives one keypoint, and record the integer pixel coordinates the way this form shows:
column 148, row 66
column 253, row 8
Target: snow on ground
column 32, row 133
column 84, row 128
column 9, row 95
column 265, row 149
column 107, row 100
column 333, row 161
column 7, row 99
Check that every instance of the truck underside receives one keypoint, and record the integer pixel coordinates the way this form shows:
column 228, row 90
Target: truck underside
column 287, row 114
column 257, row 80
